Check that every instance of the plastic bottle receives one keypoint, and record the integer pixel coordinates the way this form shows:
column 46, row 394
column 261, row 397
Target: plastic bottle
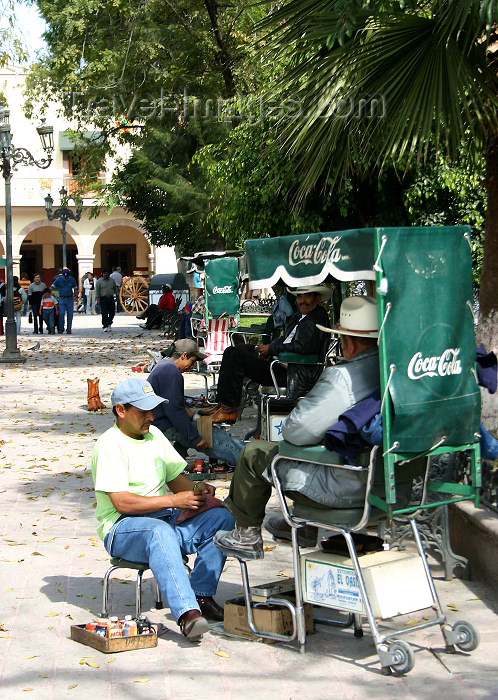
column 129, row 627
column 114, row 628
column 143, row 625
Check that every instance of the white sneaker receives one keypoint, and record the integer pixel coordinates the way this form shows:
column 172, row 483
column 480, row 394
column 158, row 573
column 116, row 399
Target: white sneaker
column 105, row 329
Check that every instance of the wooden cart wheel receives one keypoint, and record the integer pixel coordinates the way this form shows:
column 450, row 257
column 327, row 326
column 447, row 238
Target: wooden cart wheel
column 134, row 295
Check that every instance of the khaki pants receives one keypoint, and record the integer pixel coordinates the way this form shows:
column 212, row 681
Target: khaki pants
column 250, row 491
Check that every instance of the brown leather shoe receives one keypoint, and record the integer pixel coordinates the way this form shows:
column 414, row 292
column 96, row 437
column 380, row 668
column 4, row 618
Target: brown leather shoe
column 224, row 414
column 193, row 625
column 210, row 608
column 209, row 411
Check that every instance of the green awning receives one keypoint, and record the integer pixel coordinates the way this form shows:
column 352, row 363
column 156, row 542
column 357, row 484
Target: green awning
column 311, row 258
column 66, row 142
column 3, row 262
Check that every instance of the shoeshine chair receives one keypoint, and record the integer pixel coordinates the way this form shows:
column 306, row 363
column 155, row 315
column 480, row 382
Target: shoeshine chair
column 430, row 406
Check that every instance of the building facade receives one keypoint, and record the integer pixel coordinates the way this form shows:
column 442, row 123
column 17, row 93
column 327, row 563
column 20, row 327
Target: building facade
column 111, row 239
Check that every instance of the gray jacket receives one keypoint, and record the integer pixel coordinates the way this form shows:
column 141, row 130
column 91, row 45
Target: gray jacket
column 338, row 389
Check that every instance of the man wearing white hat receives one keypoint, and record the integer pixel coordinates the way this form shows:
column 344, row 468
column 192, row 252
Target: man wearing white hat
column 303, row 335
column 338, row 389
column 140, row 490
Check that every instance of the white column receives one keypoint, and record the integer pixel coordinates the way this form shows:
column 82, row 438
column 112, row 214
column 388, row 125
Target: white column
column 85, row 264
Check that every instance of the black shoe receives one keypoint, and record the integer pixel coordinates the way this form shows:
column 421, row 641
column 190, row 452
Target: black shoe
column 141, row 317
column 278, row 527
column 210, row 608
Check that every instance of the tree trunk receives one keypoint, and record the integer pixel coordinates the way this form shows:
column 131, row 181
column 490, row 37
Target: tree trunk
column 487, row 330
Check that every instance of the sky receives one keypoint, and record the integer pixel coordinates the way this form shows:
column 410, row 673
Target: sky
column 31, row 27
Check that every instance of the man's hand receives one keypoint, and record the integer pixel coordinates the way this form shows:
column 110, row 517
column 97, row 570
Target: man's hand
column 202, row 444
column 262, row 350
column 204, row 487
column 189, row 499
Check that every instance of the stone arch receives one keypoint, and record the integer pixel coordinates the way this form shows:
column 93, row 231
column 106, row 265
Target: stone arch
column 122, row 242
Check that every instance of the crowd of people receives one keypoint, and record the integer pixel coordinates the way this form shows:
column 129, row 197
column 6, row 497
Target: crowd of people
column 56, row 309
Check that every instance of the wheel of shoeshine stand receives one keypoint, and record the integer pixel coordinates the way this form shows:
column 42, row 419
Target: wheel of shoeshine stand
column 468, row 636
column 404, row 659
column 134, row 295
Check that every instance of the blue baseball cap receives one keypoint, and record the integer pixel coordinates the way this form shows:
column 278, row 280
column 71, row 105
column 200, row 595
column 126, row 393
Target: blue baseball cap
column 138, row 392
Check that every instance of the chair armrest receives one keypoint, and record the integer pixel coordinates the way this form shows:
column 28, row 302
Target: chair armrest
column 296, row 358
column 308, row 453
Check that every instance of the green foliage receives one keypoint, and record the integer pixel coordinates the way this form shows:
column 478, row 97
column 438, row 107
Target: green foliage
column 446, row 193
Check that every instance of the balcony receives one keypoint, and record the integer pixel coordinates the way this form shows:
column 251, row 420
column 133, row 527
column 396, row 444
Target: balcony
column 31, row 191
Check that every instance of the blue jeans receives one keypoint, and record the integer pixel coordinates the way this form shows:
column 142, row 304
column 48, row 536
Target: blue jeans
column 66, row 307
column 49, row 318
column 154, row 538
column 225, row 447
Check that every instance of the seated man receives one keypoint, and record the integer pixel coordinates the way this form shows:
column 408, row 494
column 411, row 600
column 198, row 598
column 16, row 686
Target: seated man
column 302, row 336
column 133, row 467
column 174, row 419
column 153, row 314
column 339, row 388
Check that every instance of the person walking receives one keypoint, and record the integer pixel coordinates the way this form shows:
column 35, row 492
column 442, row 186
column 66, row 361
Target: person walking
column 66, row 285
column 89, row 291
column 105, row 289
column 35, row 293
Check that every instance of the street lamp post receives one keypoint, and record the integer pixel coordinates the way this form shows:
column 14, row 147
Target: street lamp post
column 64, row 214
column 11, row 159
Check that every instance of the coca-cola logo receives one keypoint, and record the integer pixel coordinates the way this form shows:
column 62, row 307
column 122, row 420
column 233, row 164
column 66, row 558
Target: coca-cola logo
column 325, row 251
column 222, row 290
column 443, row 365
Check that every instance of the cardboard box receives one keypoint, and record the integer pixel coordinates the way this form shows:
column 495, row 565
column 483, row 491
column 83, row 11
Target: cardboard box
column 267, row 618
column 114, row 645
column 395, row 582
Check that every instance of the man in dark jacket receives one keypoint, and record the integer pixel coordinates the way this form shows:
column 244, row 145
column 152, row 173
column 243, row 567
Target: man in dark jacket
column 174, row 419
column 301, row 336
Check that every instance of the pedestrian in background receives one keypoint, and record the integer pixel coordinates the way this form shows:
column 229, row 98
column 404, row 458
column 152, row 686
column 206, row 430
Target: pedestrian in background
column 89, row 291
column 35, row 293
column 25, row 282
column 118, row 278
column 49, row 309
column 105, row 289
column 19, row 298
column 66, row 285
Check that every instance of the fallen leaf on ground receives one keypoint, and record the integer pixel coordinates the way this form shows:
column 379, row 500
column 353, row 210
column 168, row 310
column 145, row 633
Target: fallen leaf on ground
column 223, row 654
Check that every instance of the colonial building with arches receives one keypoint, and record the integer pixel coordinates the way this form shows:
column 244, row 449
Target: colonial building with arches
column 109, row 240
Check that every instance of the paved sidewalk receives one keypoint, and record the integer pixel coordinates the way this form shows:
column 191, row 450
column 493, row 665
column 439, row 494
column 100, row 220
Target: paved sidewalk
column 52, row 565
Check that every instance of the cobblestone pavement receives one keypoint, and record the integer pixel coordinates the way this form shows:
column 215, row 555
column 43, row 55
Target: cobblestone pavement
column 52, row 565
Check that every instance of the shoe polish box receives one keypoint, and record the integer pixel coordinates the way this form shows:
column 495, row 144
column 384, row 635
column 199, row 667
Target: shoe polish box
column 267, row 618
column 395, row 581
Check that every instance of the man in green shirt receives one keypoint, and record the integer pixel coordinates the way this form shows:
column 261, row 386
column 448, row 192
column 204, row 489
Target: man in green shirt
column 140, row 489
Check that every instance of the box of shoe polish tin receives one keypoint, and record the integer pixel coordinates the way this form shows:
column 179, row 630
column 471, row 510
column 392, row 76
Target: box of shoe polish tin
column 395, row 581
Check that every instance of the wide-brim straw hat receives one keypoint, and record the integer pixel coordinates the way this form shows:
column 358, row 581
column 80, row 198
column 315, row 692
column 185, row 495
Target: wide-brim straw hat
column 358, row 317
column 321, row 289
